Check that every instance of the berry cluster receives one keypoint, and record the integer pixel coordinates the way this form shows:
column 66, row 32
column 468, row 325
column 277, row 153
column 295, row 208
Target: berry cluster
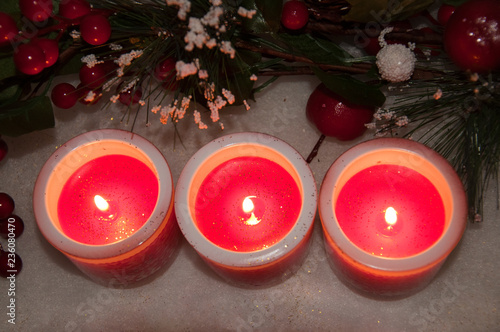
column 34, row 51
column 11, row 227
column 92, row 78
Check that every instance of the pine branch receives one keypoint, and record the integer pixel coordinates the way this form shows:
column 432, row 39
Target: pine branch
column 463, row 125
column 354, row 69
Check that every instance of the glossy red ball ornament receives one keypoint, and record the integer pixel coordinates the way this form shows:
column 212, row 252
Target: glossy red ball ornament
column 472, row 36
column 336, row 117
column 294, row 15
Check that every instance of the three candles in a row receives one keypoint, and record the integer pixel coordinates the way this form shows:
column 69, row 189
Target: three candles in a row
column 392, row 210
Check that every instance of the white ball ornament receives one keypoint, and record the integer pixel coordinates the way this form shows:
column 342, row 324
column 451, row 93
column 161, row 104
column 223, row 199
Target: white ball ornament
column 395, row 62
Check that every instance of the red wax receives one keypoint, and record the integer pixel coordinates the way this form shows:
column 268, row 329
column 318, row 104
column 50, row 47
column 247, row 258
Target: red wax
column 247, row 204
column 129, row 187
column 362, row 202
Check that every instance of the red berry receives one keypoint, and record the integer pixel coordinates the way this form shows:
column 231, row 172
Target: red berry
column 96, row 76
column 8, row 29
column 472, row 36
column 444, row 13
column 165, row 72
column 64, row 95
column 95, row 29
column 131, row 96
column 3, row 149
column 36, row 10
column 336, row 117
column 11, row 225
column 29, row 59
column 74, row 8
column 50, row 49
column 10, row 264
column 6, row 205
column 84, row 91
column 294, row 15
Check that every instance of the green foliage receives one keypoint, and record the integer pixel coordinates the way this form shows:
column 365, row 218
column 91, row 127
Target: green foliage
column 19, row 115
column 271, row 11
column 9, row 6
column 27, row 116
column 267, row 18
column 316, row 49
column 7, row 69
column 72, row 66
column 352, row 89
column 463, row 125
column 237, row 79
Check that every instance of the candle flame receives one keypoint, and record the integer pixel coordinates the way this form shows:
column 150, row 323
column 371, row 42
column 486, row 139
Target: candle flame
column 391, row 216
column 249, row 207
column 101, row 203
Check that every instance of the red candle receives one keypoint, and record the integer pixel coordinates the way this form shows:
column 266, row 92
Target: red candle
column 254, row 203
column 107, row 200
column 246, row 202
column 390, row 211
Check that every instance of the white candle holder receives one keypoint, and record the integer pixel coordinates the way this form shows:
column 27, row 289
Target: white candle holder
column 133, row 258
column 384, row 275
column 259, row 267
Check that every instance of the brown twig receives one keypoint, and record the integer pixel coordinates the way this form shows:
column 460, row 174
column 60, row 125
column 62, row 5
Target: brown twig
column 397, row 34
column 315, row 150
column 416, row 36
column 328, row 10
column 302, row 70
column 357, row 68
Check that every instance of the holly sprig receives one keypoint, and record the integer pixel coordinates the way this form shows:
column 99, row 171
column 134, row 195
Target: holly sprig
column 263, row 48
column 465, row 134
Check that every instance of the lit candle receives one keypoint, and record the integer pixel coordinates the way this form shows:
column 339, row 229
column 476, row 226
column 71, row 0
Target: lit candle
column 105, row 200
column 255, row 203
column 392, row 210
column 246, row 203
column 371, row 202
